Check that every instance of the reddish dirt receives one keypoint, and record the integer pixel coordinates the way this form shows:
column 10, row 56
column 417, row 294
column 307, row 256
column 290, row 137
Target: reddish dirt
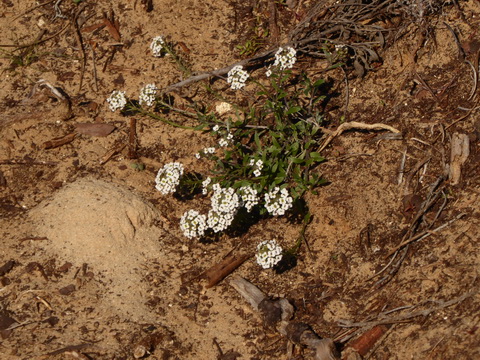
column 93, row 263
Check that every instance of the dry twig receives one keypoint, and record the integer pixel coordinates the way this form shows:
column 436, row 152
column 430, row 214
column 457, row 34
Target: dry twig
column 356, row 125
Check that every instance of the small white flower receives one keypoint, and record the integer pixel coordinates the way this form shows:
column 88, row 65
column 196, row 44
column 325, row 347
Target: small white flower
column 216, row 128
column 237, row 77
column 277, row 201
column 209, row 150
column 226, row 141
column 223, row 143
column 158, row 46
column 205, row 184
column 168, row 177
column 117, row 100
column 197, row 155
column 193, row 224
column 257, row 167
column 147, row 95
column 285, row 58
column 269, row 254
column 268, row 73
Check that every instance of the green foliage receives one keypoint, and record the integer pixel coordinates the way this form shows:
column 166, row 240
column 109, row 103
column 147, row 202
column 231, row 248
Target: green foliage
column 281, row 130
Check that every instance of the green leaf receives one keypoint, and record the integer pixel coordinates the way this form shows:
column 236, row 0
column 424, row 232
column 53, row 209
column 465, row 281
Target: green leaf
column 316, row 157
column 279, row 180
column 296, row 160
column 293, row 110
column 257, row 141
column 275, row 167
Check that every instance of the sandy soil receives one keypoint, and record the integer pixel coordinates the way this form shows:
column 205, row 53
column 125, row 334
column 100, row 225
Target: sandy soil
column 93, row 264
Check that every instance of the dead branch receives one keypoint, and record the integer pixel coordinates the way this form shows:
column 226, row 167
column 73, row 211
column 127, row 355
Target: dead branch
column 79, row 39
column 132, row 139
column 359, row 126
column 277, row 314
column 224, row 268
column 364, row 343
column 111, row 153
column 54, row 143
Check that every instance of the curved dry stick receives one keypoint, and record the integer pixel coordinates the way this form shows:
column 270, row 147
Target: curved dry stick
column 357, row 125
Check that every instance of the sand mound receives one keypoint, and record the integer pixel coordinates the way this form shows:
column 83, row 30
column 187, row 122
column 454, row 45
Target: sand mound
column 107, row 227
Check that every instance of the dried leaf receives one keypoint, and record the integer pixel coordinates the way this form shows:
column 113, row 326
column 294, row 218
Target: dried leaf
column 112, row 29
column 94, row 129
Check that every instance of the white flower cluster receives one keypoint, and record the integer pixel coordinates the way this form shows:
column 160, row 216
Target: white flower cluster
column 219, row 221
column 225, row 203
column 205, row 151
column 117, row 100
column 158, row 46
column 285, row 58
column 224, row 200
column 168, row 177
column 269, row 254
column 248, row 196
column 278, row 201
column 257, row 167
column 205, row 184
column 148, row 95
column 237, row 77
column 193, row 224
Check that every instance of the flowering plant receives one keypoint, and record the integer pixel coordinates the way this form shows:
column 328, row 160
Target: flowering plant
column 262, row 161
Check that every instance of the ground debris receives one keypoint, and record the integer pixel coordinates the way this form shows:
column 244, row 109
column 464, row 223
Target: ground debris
column 460, row 150
column 277, row 314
